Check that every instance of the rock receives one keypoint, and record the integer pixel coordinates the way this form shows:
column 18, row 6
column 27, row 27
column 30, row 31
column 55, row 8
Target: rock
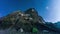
column 26, row 20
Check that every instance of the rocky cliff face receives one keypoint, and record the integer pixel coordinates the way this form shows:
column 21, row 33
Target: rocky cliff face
column 19, row 19
column 25, row 20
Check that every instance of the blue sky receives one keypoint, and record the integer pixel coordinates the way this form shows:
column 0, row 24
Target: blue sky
column 48, row 9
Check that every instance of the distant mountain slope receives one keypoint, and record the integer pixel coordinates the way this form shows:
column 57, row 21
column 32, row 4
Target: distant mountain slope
column 57, row 25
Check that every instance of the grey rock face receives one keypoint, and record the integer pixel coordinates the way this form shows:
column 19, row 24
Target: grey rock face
column 18, row 19
column 25, row 20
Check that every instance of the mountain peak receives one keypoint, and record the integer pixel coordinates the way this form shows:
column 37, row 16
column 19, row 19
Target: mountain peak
column 31, row 10
column 18, row 19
